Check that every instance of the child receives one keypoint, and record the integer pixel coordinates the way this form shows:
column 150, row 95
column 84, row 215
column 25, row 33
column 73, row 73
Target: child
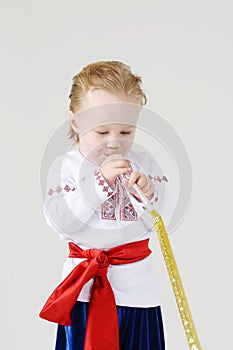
column 108, row 299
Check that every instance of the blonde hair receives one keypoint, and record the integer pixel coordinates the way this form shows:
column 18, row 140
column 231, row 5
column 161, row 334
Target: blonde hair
column 112, row 76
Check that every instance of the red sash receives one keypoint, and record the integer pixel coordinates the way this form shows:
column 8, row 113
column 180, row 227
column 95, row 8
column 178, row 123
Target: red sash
column 102, row 323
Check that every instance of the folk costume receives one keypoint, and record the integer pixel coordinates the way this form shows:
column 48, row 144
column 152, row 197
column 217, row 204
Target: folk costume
column 109, row 295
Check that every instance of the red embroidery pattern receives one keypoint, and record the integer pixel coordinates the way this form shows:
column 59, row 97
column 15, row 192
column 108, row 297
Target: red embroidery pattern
column 157, row 178
column 155, row 198
column 108, row 208
column 152, row 201
column 128, row 213
column 59, row 189
column 102, row 182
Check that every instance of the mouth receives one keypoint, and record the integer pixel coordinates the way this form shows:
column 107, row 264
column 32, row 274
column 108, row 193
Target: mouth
column 111, row 154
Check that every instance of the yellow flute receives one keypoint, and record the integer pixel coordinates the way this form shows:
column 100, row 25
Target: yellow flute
column 173, row 273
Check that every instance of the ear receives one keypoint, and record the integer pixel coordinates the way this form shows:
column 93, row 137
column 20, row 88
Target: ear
column 73, row 122
column 71, row 114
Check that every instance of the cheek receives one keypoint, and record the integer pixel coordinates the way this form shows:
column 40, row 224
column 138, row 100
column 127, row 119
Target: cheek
column 126, row 145
column 128, row 141
column 88, row 141
column 96, row 143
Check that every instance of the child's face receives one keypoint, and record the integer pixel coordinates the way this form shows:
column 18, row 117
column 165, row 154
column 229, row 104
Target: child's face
column 106, row 139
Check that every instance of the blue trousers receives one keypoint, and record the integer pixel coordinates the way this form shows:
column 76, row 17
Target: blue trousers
column 139, row 329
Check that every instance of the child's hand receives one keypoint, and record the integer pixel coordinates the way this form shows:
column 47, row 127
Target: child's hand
column 113, row 166
column 143, row 182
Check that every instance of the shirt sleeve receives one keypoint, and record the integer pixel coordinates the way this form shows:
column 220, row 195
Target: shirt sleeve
column 69, row 201
column 169, row 206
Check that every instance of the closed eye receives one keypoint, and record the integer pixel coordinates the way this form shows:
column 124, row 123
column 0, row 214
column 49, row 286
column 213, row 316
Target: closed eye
column 106, row 132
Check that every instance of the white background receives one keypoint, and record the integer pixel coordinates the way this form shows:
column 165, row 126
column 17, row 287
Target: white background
column 183, row 50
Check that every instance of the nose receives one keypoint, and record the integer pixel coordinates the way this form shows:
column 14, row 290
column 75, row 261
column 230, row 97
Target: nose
column 113, row 143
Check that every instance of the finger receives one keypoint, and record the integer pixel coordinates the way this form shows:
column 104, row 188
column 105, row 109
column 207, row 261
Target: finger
column 148, row 188
column 134, row 176
column 117, row 162
column 149, row 193
column 142, row 182
column 139, row 179
column 122, row 164
column 119, row 171
column 111, row 157
column 116, row 155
